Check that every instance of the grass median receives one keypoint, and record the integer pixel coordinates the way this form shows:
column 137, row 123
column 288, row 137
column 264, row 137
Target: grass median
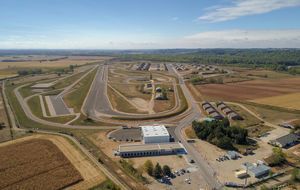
column 75, row 98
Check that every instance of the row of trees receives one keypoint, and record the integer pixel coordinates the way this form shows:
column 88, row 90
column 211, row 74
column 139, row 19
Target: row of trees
column 275, row 59
column 66, row 70
column 24, row 72
column 219, row 133
column 157, row 171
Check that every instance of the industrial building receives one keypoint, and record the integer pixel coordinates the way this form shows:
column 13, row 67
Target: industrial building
column 228, row 111
column 155, row 134
column 211, row 111
column 286, row 140
column 256, row 169
column 138, row 150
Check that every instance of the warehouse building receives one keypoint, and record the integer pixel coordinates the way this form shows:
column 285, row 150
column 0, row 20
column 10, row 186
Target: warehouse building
column 155, row 134
column 228, row 111
column 256, row 169
column 286, row 140
column 139, row 150
column 211, row 111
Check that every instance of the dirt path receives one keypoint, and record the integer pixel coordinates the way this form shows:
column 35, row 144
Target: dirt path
column 91, row 175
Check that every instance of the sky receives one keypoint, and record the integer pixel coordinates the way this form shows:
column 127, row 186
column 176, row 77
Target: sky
column 149, row 24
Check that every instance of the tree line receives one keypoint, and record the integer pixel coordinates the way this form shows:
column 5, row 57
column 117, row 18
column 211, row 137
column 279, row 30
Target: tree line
column 220, row 133
column 275, row 59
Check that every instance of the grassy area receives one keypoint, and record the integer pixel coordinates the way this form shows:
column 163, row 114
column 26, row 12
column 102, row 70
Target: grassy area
column 26, row 91
column 106, row 185
column 68, row 81
column 119, row 103
column 132, row 91
column 127, row 166
column 46, row 105
column 164, row 105
column 83, row 120
column 76, row 98
column 182, row 108
column 288, row 101
column 35, row 106
column 272, row 114
column 249, row 120
column 190, row 133
column 259, row 129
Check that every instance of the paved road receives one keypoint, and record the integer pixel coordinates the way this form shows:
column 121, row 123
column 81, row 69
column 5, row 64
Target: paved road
column 59, row 106
column 57, row 101
column 204, row 169
column 97, row 104
column 30, row 115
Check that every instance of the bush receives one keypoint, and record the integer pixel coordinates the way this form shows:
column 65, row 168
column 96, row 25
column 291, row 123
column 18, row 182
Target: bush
column 196, row 80
column 148, row 166
column 158, row 173
column 167, row 170
column 128, row 167
column 295, row 177
column 277, row 157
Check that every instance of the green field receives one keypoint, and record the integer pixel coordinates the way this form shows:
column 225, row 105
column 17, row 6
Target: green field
column 75, row 98
column 68, row 80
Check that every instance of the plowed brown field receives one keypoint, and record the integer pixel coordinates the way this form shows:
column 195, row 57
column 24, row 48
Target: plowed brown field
column 251, row 89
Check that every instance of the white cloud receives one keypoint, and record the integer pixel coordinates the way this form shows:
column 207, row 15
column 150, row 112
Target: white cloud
column 209, row 39
column 245, row 39
column 175, row 18
column 241, row 8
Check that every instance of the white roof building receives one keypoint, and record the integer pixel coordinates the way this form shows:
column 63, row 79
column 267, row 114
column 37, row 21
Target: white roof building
column 155, row 134
column 43, row 85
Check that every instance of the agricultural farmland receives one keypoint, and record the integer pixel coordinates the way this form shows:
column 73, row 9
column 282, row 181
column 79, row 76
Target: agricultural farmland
column 251, row 89
column 57, row 164
column 52, row 170
column 10, row 63
column 290, row 101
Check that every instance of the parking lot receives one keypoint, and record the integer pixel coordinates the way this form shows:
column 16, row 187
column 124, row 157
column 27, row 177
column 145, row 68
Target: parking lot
column 186, row 175
column 224, row 166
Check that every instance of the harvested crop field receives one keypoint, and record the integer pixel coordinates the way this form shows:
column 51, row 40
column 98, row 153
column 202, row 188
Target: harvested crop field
column 35, row 164
column 290, row 101
column 251, row 89
column 45, row 162
column 42, row 62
